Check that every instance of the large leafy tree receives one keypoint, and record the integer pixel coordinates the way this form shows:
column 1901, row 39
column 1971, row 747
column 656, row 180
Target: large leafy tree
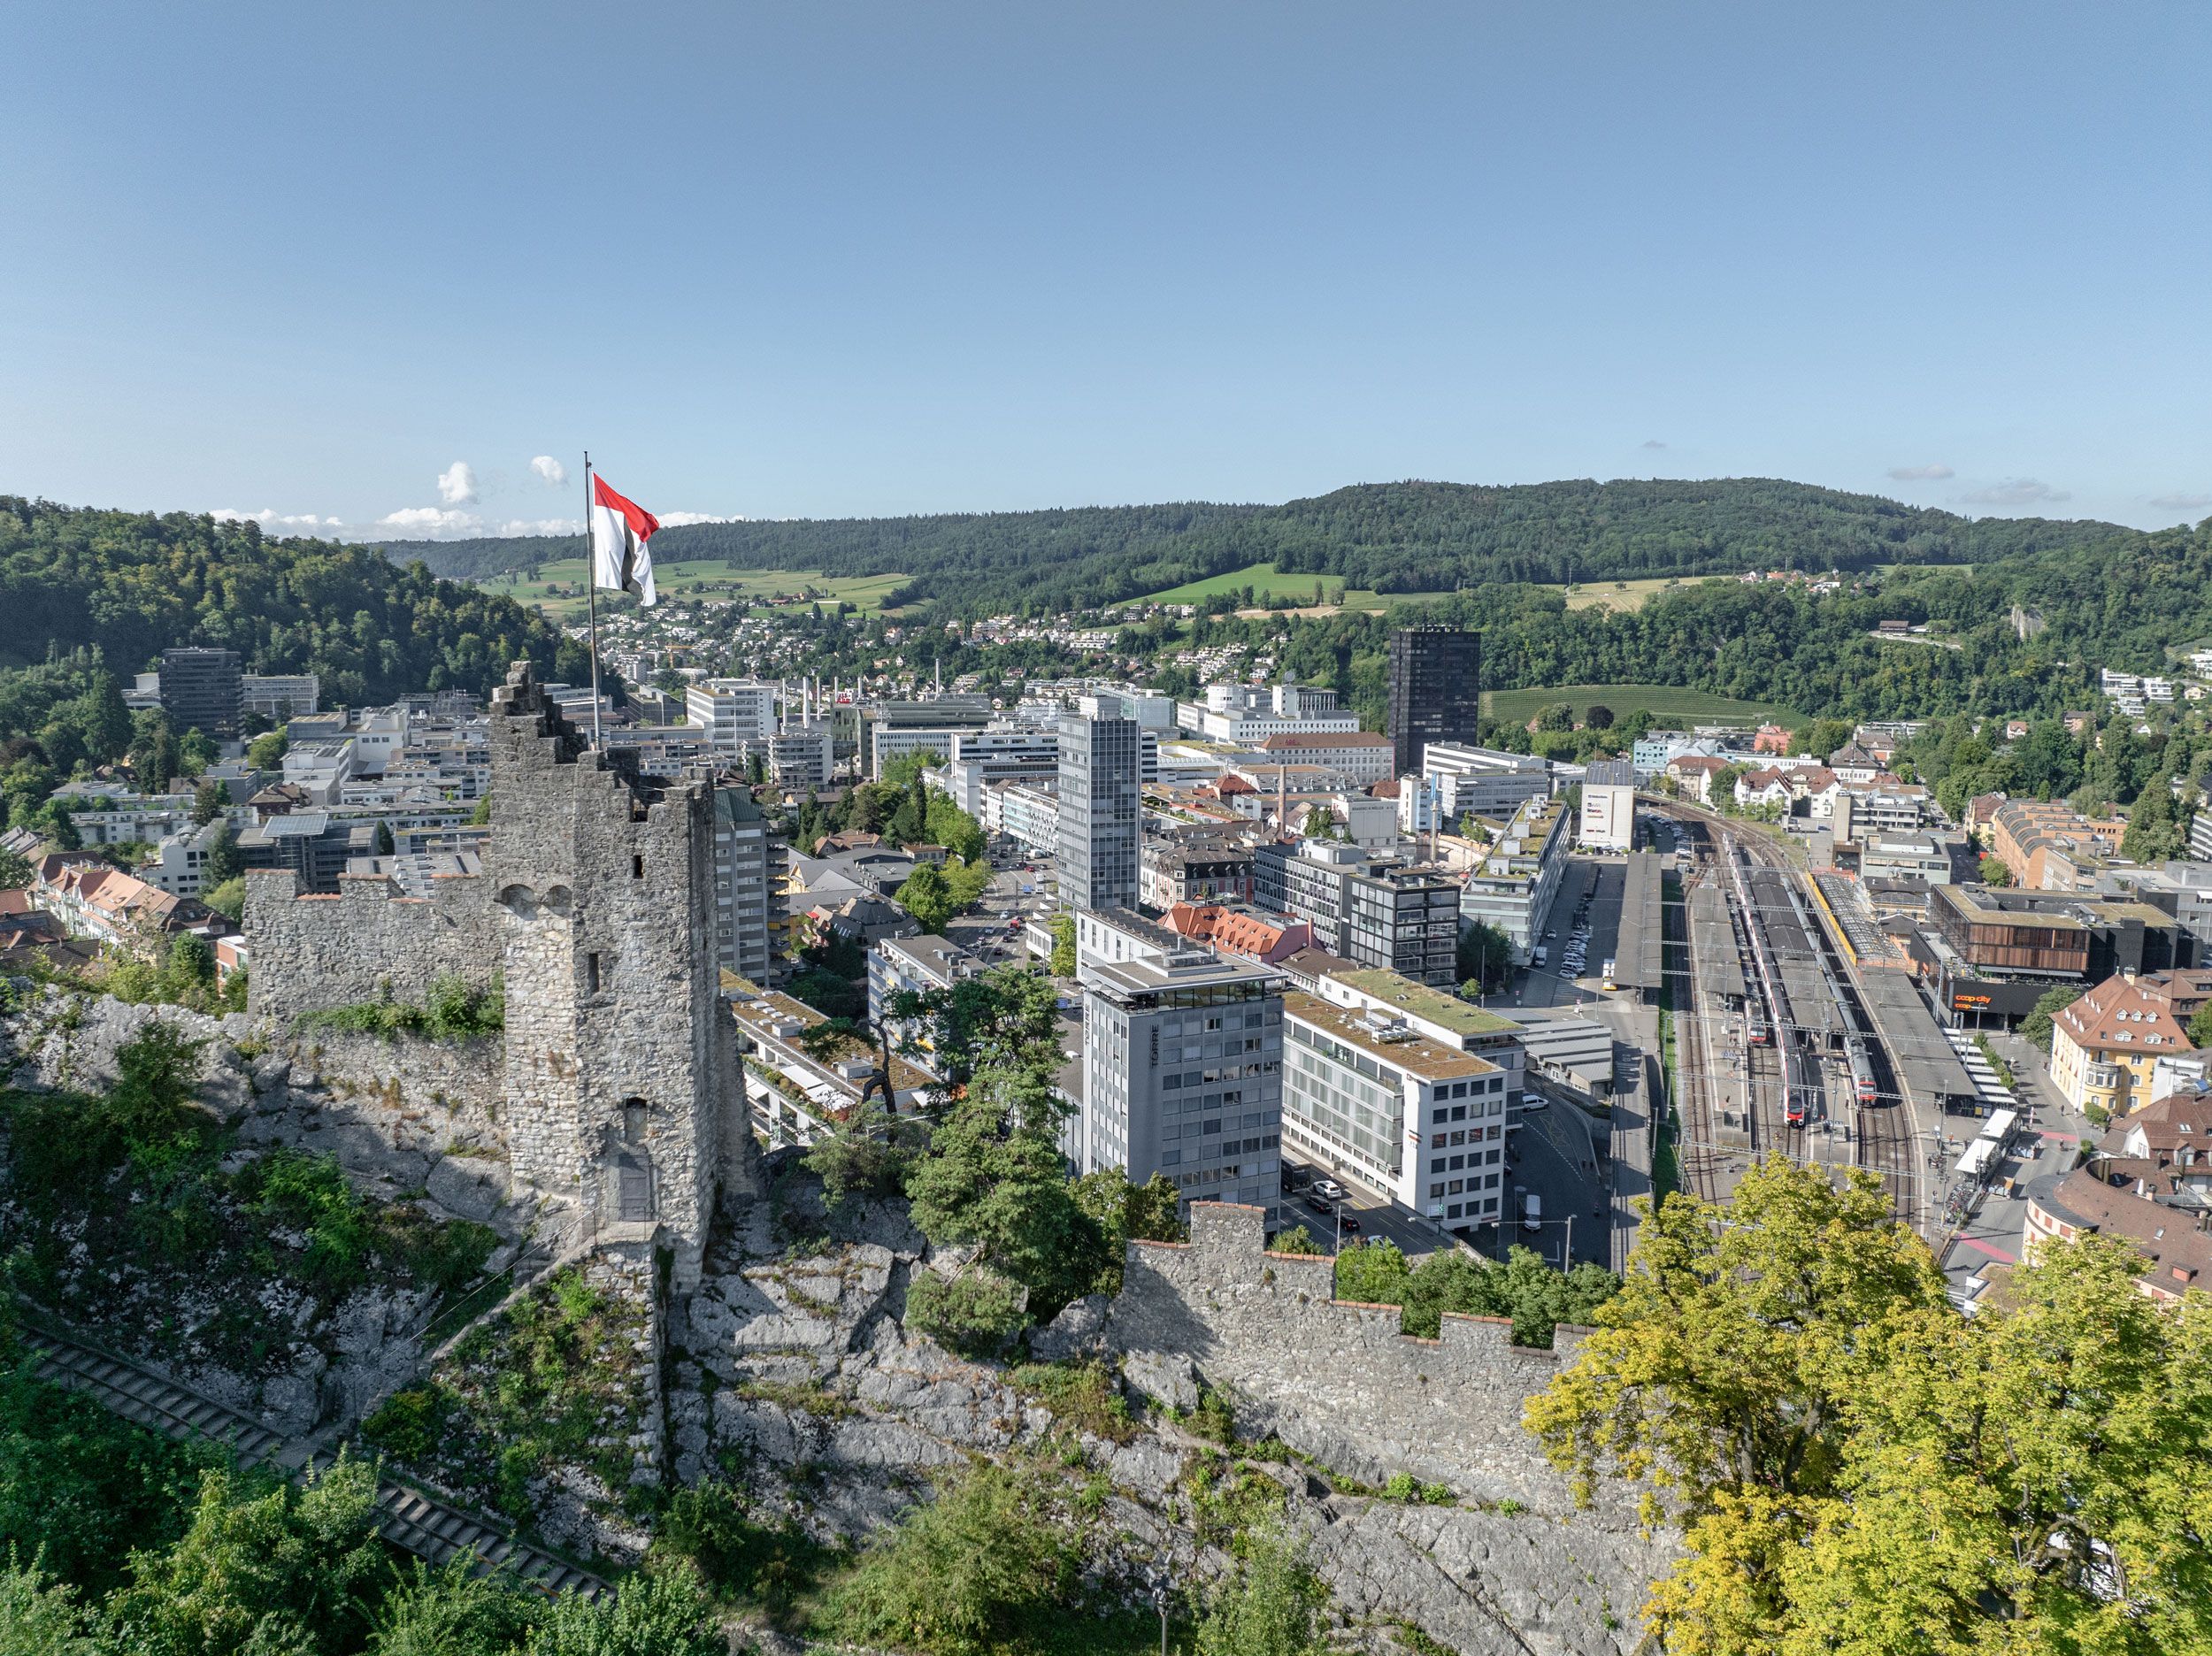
column 993, row 1178
column 927, row 897
column 1857, row 1468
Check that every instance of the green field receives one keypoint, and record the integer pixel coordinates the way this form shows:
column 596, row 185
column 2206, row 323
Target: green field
column 1663, row 701
column 559, row 591
column 1266, row 582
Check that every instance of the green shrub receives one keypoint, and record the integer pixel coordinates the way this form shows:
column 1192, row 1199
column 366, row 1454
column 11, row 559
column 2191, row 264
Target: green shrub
column 1271, row 1608
column 978, row 1313
column 742, row 1560
column 989, row 1566
column 1215, row 1417
column 408, row 1424
column 312, row 1193
column 453, row 1009
column 1083, row 1395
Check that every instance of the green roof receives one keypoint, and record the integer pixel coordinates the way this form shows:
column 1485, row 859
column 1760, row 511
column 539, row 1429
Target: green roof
column 1447, row 1011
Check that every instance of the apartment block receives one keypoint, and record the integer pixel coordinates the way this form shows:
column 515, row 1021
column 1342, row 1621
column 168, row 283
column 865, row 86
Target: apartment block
column 1099, row 811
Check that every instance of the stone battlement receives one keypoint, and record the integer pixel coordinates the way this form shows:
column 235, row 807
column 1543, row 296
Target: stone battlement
column 1334, row 1378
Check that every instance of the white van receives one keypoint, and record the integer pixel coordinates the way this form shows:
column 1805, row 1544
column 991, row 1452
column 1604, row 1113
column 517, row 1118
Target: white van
column 1532, row 1212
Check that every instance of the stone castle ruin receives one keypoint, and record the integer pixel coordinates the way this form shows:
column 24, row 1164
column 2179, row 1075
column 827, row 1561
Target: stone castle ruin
column 618, row 1094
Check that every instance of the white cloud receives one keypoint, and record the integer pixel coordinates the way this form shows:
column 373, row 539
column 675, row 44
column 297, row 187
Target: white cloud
column 2015, row 492
column 456, row 484
column 551, row 469
column 1921, row 473
column 2181, row 503
column 431, row 521
column 1652, row 443
column 677, row 520
column 269, row 517
column 436, row 523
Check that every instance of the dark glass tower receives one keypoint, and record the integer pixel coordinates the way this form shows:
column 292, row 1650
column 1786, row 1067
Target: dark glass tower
column 1435, row 691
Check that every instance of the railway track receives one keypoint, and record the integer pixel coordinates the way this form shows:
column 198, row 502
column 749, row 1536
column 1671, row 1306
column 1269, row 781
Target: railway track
column 1881, row 1136
column 1695, row 1137
column 411, row 1519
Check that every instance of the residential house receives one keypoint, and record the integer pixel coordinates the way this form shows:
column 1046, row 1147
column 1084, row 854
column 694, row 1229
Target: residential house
column 2103, row 1046
column 1694, row 775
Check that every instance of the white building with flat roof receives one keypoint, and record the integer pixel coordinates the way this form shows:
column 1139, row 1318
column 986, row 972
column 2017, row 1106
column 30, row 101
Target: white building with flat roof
column 1484, row 781
column 1247, row 715
column 1512, row 886
column 738, row 716
column 1371, row 1096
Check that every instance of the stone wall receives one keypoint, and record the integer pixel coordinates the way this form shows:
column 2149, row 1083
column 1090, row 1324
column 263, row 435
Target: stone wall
column 310, row 952
column 1335, row 1380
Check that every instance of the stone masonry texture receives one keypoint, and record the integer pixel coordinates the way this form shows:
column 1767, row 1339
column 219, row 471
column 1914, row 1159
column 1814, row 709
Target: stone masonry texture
column 619, row 1082
column 1334, row 1380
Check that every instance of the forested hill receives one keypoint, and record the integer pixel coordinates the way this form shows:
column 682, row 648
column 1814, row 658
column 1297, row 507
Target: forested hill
column 1393, row 537
column 131, row 584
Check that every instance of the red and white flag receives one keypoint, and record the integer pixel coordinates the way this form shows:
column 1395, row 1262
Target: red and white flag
column 619, row 530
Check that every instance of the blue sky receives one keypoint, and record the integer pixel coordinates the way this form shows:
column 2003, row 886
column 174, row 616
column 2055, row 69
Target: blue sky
column 837, row 259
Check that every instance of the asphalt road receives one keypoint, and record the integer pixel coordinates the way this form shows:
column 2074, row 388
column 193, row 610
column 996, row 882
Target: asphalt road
column 984, row 931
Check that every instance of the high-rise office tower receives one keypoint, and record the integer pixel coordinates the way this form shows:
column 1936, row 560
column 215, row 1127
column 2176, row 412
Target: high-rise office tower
column 1099, row 807
column 1435, row 691
column 201, row 690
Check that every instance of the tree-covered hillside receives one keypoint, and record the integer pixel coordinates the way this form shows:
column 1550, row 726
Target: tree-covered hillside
column 130, row 585
column 1395, row 537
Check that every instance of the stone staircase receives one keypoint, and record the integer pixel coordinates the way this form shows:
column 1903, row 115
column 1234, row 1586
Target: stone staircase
column 409, row 1518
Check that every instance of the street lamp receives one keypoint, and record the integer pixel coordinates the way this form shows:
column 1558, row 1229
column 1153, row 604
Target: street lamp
column 1159, row 1603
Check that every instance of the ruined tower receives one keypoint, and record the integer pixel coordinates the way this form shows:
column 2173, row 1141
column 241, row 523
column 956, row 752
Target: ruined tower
column 620, row 1095
column 620, row 1067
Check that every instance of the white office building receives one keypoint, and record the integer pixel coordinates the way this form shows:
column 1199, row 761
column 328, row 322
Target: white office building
column 1027, row 814
column 738, row 714
column 280, row 697
column 1608, row 805
column 1182, row 1062
column 1247, row 715
column 1512, row 886
column 1482, row 781
column 1371, row 1096
column 801, row 755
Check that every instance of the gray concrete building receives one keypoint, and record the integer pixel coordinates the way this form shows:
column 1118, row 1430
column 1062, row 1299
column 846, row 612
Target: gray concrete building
column 1099, row 807
column 750, row 862
column 201, row 690
column 1435, row 690
column 1182, row 1062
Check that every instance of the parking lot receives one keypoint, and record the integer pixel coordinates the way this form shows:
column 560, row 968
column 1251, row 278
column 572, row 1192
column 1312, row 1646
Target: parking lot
column 1592, row 888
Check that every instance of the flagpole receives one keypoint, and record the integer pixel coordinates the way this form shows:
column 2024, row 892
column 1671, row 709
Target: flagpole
column 591, row 587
